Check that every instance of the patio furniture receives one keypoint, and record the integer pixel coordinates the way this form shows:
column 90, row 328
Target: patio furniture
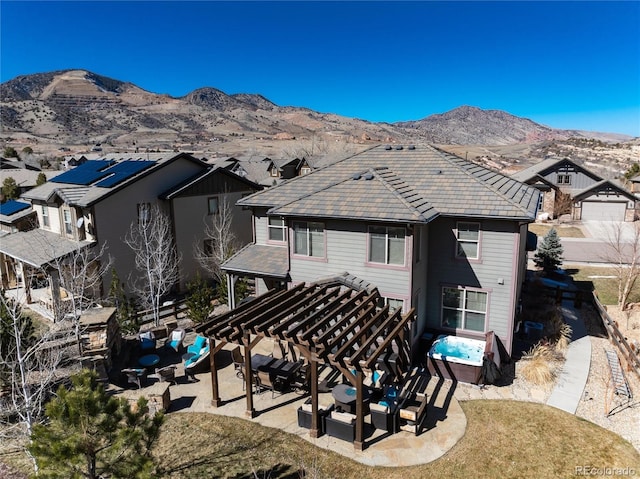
column 413, row 411
column 345, row 398
column 166, row 374
column 149, row 360
column 196, row 355
column 175, row 339
column 301, row 380
column 135, row 376
column 305, row 414
column 384, row 416
column 238, row 362
column 147, row 341
column 341, row 425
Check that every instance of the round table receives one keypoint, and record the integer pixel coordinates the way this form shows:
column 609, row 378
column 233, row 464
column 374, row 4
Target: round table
column 345, row 397
column 149, row 360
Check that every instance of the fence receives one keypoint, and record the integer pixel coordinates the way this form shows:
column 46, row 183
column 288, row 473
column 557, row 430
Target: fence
column 631, row 357
column 169, row 312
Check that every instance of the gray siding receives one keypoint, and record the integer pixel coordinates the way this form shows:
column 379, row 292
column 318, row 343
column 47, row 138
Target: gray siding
column 579, row 180
column 346, row 250
column 495, row 272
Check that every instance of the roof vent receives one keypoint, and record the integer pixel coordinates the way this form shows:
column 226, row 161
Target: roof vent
column 437, row 172
column 388, row 147
column 356, row 176
column 411, row 147
column 368, row 176
column 399, row 147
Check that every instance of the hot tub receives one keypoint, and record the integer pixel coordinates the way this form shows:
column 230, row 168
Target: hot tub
column 457, row 358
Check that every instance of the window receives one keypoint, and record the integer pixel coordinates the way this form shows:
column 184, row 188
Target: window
column 276, row 229
column 66, row 218
column 394, row 304
column 386, row 245
column 464, row 309
column 45, row 216
column 144, row 212
column 212, row 204
column 563, row 179
column 541, row 202
column 468, row 236
column 308, row 239
column 274, row 171
column 305, row 170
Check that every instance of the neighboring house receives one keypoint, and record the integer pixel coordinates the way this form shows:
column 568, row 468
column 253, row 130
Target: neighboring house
column 567, row 187
column 17, row 216
column 25, row 178
column 196, row 203
column 430, row 230
column 268, row 172
column 96, row 203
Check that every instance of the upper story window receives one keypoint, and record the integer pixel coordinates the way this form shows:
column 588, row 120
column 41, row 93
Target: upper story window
column 563, row 179
column 66, row 219
column 464, row 309
column 212, row 205
column 386, row 245
column 305, row 170
column 468, row 236
column 276, row 228
column 274, row 171
column 308, row 239
column 144, row 212
column 45, row 216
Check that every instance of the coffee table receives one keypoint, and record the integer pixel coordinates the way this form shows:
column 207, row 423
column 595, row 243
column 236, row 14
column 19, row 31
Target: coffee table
column 149, row 360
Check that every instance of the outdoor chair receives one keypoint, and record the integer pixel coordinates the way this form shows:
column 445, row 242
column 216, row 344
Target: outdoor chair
column 341, row 425
column 302, row 378
column 135, row 376
column 174, row 341
column 383, row 416
column 305, row 414
column 147, row 341
column 279, row 351
column 238, row 362
column 198, row 345
column 166, row 374
column 412, row 413
column 196, row 355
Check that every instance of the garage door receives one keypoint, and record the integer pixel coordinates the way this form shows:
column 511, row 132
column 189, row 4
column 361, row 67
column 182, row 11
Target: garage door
column 601, row 211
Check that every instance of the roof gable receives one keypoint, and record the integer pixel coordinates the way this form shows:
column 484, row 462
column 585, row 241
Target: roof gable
column 604, row 187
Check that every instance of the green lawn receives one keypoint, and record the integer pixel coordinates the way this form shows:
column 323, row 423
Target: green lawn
column 603, row 280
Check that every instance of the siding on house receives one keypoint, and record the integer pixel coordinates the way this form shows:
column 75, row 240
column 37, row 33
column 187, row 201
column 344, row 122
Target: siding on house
column 497, row 243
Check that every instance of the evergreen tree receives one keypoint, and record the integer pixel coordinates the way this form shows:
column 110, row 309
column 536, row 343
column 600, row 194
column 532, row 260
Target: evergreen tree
column 199, row 299
column 41, row 179
column 91, row 434
column 9, row 188
column 549, row 254
column 125, row 306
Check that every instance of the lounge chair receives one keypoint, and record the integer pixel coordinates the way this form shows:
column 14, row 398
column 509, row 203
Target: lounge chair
column 197, row 353
column 166, row 374
column 147, row 341
column 174, row 341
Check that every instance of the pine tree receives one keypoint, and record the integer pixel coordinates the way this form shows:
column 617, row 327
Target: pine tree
column 549, row 254
column 91, row 434
column 199, row 299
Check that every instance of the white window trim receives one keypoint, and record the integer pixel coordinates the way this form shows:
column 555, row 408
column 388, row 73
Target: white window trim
column 308, row 237
column 271, row 228
column 464, row 308
column 459, row 241
column 386, row 248
column 46, row 221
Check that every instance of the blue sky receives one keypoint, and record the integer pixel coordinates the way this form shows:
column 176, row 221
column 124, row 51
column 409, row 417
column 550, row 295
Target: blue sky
column 563, row 64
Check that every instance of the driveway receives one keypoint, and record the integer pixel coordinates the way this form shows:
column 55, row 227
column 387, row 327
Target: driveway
column 604, row 231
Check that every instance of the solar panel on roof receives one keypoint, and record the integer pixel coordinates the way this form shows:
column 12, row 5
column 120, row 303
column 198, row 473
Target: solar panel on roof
column 11, row 207
column 123, row 171
column 84, row 174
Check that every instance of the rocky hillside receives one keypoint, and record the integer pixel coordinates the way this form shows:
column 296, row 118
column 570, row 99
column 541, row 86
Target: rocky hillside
column 80, row 109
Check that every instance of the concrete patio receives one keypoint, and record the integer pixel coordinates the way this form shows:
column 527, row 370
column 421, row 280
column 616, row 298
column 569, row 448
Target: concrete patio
column 444, row 427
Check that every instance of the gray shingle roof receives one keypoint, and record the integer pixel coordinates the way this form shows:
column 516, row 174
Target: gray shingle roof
column 260, row 260
column 38, row 247
column 412, row 185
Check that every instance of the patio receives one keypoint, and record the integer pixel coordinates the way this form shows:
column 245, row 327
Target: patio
column 444, row 426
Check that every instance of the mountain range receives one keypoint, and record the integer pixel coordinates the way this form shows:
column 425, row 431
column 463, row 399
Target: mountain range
column 78, row 107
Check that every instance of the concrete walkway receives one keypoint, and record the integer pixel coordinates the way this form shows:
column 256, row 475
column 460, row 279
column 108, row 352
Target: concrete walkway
column 570, row 385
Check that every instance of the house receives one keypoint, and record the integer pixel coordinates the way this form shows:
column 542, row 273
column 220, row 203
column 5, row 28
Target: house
column 16, row 216
column 431, row 231
column 25, row 178
column 96, row 203
column 268, row 172
column 568, row 188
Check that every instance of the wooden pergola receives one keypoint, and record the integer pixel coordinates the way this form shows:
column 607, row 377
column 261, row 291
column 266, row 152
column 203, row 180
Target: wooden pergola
column 329, row 324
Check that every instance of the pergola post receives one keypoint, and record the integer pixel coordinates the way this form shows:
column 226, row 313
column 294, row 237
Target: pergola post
column 248, row 376
column 314, row 431
column 231, row 291
column 358, row 444
column 215, row 391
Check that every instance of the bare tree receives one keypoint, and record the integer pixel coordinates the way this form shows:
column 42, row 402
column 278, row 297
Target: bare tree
column 30, row 367
column 623, row 253
column 80, row 276
column 220, row 242
column 156, row 258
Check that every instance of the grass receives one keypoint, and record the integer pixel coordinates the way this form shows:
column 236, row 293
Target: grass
column 594, row 277
column 563, row 231
column 506, row 439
